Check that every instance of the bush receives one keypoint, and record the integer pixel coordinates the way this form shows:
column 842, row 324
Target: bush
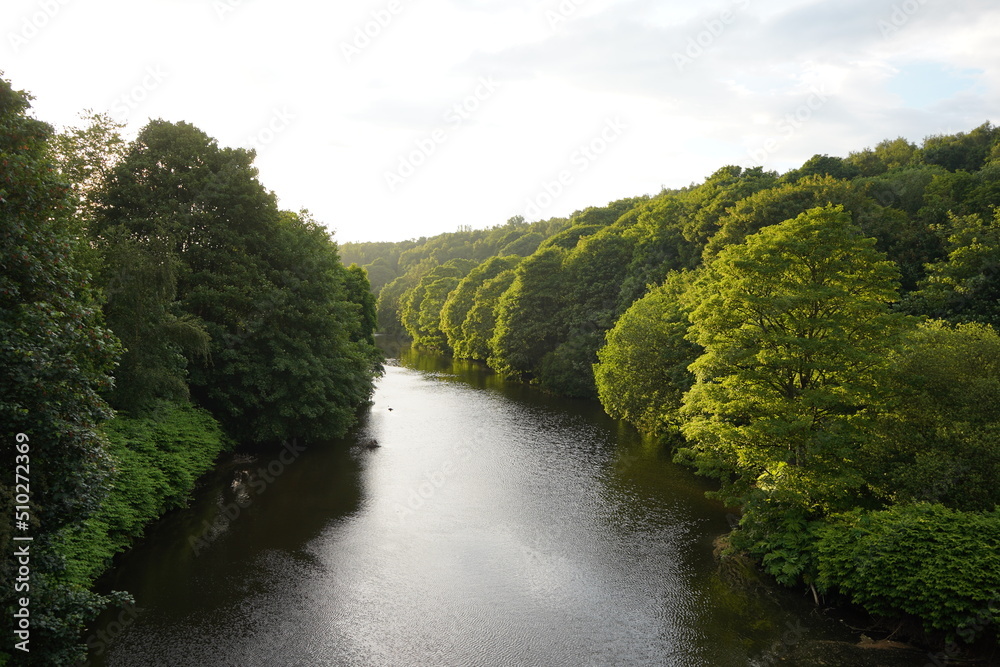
column 935, row 563
column 158, row 459
column 782, row 536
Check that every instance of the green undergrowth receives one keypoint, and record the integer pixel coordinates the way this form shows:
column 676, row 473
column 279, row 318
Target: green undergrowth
column 919, row 561
column 157, row 461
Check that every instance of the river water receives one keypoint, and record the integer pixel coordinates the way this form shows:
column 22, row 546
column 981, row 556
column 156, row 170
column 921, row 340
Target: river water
column 493, row 525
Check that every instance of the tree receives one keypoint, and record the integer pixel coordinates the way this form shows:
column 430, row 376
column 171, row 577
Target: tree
column 823, row 165
column 389, row 305
column 643, row 372
column 289, row 354
column 380, row 274
column 55, row 359
column 937, row 440
column 462, row 299
column 962, row 151
column 897, row 152
column 140, row 285
column 593, row 274
column 359, row 292
column 774, row 205
column 795, row 324
column 479, row 325
column 525, row 329
column 421, row 307
column 301, row 364
column 964, row 286
column 708, row 204
column 86, row 156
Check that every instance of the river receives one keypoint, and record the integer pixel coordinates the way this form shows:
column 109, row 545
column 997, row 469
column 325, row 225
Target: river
column 493, row 525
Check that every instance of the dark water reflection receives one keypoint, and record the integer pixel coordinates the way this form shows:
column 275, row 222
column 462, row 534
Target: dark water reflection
column 495, row 525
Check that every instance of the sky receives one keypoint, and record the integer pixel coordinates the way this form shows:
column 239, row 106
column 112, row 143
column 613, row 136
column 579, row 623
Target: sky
column 395, row 119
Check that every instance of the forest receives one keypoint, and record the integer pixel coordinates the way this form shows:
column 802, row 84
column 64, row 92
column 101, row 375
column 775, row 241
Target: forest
column 157, row 307
column 822, row 343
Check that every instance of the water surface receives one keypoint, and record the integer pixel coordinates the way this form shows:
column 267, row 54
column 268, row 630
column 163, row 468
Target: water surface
column 493, row 525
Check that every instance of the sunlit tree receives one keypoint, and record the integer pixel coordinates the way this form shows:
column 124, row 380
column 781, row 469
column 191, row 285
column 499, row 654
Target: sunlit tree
column 795, row 323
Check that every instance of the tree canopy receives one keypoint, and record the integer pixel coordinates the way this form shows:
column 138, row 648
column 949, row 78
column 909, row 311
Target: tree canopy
column 795, row 323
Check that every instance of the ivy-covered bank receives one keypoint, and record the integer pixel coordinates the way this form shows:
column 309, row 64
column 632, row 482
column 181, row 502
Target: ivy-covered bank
column 155, row 306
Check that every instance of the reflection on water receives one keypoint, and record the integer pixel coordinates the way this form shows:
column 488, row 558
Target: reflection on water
column 494, row 525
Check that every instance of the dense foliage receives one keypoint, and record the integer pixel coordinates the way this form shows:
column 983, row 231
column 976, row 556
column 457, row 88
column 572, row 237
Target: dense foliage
column 56, row 356
column 927, row 561
column 158, row 458
column 819, row 341
column 794, row 323
column 155, row 279
column 286, row 355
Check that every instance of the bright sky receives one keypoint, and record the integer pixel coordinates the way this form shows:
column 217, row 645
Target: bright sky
column 392, row 119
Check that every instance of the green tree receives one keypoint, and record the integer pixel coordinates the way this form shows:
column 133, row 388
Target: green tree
column 643, row 372
column 55, row 360
column 593, row 272
column 962, row 151
column 904, row 224
column 389, row 305
column 379, row 274
column 359, row 292
column 707, row 206
column 140, row 287
column 289, row 356
column 670, row 230
column 523, row 245
column 462, row 299
column 422, row 306
column 479, row 326
column 823, row 165
column 897, row 152
column 525, row 328
column 795, row 324
column 86, row 156
column 303, row 365
column 937, row 439
column 964, row 286
column 784, row 202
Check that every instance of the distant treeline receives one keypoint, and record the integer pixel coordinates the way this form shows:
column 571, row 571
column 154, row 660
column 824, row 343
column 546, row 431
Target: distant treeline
column 156, row 306
column 821, row 341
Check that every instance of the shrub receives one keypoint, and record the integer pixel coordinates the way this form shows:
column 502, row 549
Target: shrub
column 158, row 459
column 938, row 564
